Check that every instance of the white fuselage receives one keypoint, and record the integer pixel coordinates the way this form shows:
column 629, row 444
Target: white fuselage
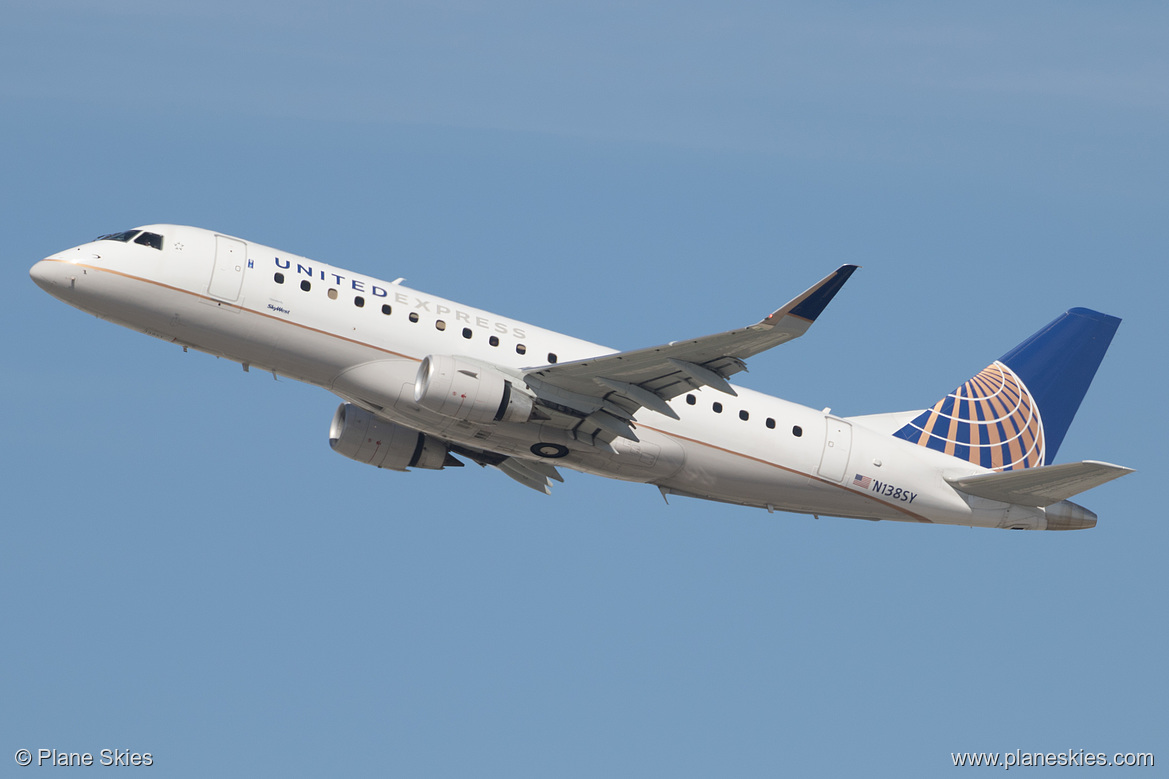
column 363, row 339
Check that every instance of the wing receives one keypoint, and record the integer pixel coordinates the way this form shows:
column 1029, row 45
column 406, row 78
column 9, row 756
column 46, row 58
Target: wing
column 597, row 398
column 530, row 473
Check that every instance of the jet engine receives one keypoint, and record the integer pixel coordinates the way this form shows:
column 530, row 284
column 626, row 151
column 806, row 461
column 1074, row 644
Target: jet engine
column 361, row 436
column 467, row 391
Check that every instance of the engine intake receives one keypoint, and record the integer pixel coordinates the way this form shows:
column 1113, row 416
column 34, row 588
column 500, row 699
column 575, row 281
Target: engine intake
column 474, row 393
column 361, row 436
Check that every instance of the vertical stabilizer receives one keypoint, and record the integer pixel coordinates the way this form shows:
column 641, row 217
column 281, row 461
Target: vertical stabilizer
column 1016, row 412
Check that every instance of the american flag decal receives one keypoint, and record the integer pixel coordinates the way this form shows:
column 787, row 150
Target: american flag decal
column 864, row 482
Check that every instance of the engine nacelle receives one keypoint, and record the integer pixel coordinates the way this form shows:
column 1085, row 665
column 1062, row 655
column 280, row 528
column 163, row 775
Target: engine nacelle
column 361, row 436
column 462, row 390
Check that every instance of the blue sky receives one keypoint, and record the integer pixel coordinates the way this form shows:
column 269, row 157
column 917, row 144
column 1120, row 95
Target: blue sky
column 186, row 568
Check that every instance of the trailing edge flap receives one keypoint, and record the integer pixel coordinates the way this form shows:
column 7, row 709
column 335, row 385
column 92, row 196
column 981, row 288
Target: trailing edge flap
column 534, row 475
column 1039, row 486
column 649, row 377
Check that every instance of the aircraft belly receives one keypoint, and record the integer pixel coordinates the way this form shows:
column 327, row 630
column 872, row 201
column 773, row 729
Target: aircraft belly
column 117, row 298
column 383, row 382
column 244, row 336
column 157, row 310
column 716, row 474
column 239, row 334
column 314, row 357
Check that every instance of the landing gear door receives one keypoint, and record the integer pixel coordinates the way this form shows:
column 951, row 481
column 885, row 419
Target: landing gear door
column 837, row 445
column 227, row 275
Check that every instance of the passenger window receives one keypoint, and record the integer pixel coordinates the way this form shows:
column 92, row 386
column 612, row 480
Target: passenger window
column 279, row 278
column 413, row 316
column 332, row 293
column 386, row 309
column 493, row 340
column 797, row 431
column 359, row 301
column 743, row 415
column 718, row 407
column 691, row 400
column 770, row 423
column 551, row 357
column 439, row 324
column 521, row 349
column 305, row 285
column 467, row 332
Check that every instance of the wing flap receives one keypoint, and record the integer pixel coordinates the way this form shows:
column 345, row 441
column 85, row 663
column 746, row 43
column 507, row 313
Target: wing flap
column 529, row 474
column 1040, row 486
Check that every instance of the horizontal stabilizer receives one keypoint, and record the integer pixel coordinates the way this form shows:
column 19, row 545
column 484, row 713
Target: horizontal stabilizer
column 1040, row 486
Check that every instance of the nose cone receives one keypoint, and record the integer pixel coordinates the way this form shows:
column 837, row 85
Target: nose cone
column 45, row 273
column 55, row 276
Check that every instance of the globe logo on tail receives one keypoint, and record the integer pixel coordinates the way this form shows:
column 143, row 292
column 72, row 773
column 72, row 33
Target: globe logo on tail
column 991, row 420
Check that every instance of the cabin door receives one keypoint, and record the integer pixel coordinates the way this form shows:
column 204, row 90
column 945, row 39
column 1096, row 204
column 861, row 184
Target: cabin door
column 227, row 276
column 837, row 445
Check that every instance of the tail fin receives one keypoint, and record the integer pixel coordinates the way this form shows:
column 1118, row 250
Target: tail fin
column 1015, row 413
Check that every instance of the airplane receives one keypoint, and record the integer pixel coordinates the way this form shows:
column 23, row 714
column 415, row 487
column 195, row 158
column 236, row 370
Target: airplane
column 425, row 381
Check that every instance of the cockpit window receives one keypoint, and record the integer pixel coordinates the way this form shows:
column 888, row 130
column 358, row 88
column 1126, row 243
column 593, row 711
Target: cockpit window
column 123, row 237
column 153, row 240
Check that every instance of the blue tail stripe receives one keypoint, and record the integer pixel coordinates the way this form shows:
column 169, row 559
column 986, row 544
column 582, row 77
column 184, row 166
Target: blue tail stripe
column 1020, row 407
column 1058, row 364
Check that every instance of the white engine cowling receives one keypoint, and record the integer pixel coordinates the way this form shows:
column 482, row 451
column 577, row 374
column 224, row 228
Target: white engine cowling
column 463, row 390
column 361, row 436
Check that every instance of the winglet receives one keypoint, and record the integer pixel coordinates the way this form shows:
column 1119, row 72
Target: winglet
column 812, row 303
